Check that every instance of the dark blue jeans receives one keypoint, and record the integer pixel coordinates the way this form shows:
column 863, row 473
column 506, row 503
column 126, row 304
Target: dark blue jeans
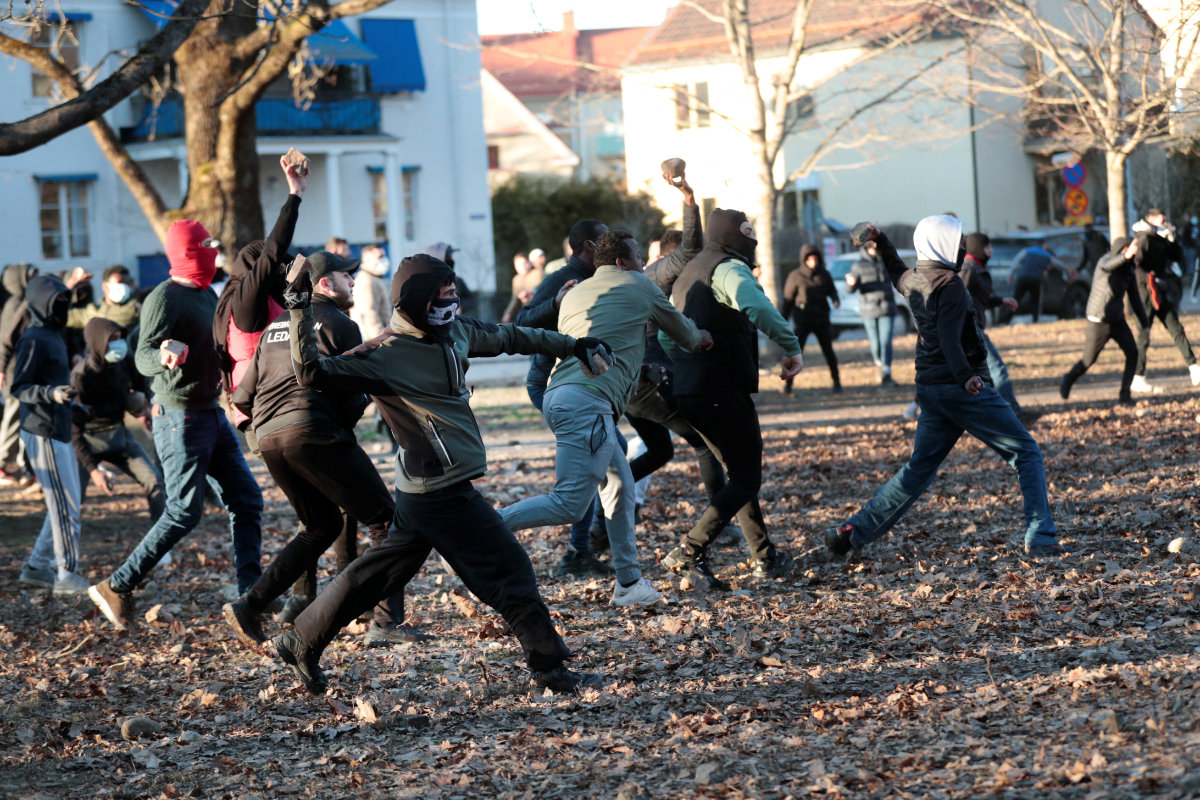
column 192, row 447
column 947, row 411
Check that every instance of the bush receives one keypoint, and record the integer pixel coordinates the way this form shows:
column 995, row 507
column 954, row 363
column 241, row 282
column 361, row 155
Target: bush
column 529, row 212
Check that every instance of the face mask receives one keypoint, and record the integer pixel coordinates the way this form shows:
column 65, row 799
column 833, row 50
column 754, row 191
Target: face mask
column 118, row 293
column 220, row 260
column 116, row 351
column 442, row 311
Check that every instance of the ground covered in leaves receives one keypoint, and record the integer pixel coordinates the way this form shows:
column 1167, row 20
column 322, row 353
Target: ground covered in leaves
column 943, row 663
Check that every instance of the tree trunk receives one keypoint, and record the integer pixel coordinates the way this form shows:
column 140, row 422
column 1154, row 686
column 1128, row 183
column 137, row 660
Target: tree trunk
column 1114, row 168
column 222, row 155
column 764, row 229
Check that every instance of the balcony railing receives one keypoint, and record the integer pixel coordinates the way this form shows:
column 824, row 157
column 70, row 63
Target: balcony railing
column 277, row 116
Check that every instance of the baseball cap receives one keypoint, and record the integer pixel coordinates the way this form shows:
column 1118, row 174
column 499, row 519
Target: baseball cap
column 324, row 262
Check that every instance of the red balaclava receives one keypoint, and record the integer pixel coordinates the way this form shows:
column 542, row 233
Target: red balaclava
column 188, row 256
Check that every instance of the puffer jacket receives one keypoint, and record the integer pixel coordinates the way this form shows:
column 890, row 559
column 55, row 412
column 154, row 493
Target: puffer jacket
column 876, row 297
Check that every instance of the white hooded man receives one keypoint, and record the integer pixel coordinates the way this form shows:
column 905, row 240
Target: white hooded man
column 954, row 391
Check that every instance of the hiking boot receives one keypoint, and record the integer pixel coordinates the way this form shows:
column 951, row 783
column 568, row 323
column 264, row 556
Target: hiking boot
column 1046, row 549
column 641, row 593
column 295, row 604
column 303, row 660
column 383, row 635
column 581, row 564
column 695, row 566
column 35, row 576
column 117, row 607
column 72, row 584
column 779, row 565
column 561, row 680
column 247, row 624
column 838, row 541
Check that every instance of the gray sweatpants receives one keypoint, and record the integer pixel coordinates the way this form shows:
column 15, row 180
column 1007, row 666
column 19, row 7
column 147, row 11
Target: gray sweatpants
column 57, row 470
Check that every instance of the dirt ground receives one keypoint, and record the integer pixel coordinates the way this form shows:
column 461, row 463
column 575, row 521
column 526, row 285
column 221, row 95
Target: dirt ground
column 941, row 664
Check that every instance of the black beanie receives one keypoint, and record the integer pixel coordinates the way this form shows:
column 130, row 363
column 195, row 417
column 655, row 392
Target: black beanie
column 725, row 230
column 417, row 282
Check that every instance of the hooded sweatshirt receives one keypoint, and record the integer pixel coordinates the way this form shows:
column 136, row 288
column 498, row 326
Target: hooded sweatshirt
column 184, row 314
column 977, row 279
column 1115, row 280
column 717, row 291
column 950, row 346
column 40, row 363
column 808, row 292
column 103, row 387
column 417, row 376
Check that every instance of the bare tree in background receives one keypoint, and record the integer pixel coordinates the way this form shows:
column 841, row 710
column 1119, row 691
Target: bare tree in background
column 770, row 126
column 225, row 58
column 1100, row 75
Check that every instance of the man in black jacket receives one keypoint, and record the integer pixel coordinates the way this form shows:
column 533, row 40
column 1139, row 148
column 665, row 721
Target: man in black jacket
column 542, row 312
column 307, row 442
column 1161, row 291
column 953, row 391
column 14, row 318
column 807, row 293
column 1114, row 280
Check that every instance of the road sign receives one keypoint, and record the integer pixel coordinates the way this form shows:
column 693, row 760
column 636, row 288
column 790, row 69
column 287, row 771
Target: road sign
column 1074, row 175
column 1075, row 202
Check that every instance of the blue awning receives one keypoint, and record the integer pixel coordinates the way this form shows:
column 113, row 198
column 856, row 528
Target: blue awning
column 398, row 68
column 159, row 11
column 337, row 44
column 74, row 177
column 66, row 16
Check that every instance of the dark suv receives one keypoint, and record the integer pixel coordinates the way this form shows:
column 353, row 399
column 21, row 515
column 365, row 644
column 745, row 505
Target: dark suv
column 1062, row 295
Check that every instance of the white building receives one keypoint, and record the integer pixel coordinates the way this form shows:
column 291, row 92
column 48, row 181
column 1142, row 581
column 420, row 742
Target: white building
column 398, row 152
column 894, row 164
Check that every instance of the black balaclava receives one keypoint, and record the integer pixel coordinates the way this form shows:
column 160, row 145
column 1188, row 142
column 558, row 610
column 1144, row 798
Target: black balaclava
column 724, row 230
column 977, row 247
column 49, row 300
column 417, row 282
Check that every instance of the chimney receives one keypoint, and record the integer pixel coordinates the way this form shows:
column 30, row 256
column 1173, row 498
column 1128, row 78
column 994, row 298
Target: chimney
column 569, row 23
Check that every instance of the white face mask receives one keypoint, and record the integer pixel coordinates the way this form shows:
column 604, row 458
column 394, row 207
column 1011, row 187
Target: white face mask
column 220, row 260
column 442, row 311
column 117, row 350
column 118, row 293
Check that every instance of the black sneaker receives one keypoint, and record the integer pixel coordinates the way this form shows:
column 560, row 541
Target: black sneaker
column 1064, row 387
column 581, row 565
column 246, row 624
column 564, row 681
column 383, row 635
column 1047, row 549
column 838, row 540
column 779, row 565
column 696, row 567
column 292, row 609
column 303, row 660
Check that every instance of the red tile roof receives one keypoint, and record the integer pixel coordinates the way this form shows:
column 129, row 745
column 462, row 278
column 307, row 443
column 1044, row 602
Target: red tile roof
column 547, row 64
column 688, row 35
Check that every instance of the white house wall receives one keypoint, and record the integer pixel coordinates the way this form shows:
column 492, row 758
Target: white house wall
column 439, row 130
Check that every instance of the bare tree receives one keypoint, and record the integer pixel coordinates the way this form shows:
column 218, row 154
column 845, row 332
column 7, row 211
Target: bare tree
column 224, row 65
column 1099, row 75
column 770, row 126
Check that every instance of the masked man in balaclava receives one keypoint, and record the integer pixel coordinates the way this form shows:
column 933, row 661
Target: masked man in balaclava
column 953, row 389
column 194, row 440
column 417, row 376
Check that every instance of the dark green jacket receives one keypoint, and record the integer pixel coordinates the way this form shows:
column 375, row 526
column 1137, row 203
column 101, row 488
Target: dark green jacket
column 419, row 384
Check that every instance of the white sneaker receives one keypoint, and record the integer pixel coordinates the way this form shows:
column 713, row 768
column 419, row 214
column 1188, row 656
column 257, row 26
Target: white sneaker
column 641, row 593
column 912, row 411
column 1141, row 385
column 1194, row 371
column 72, row 584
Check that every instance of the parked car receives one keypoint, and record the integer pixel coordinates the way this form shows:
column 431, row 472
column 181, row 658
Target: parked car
column 1062, row 295
column 846, row 316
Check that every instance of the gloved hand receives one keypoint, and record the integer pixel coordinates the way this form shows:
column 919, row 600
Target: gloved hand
column 595, row 355
column 63, row 394
column 864, row 232
column 298, row 293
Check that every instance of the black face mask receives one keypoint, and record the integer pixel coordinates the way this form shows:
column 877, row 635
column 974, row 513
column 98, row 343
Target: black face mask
column 962, row 253
column 59, row 308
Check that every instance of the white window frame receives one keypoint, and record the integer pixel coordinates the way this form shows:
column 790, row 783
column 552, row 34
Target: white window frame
column 74, row 233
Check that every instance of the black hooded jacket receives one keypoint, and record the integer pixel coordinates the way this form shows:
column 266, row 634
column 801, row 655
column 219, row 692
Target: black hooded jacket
column 950, row 347
column 1114, row 281
column 103, row 387
column 807, row 292
column 40, row 363
column 732, row 362
column 978, row 279
column 269, row 394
